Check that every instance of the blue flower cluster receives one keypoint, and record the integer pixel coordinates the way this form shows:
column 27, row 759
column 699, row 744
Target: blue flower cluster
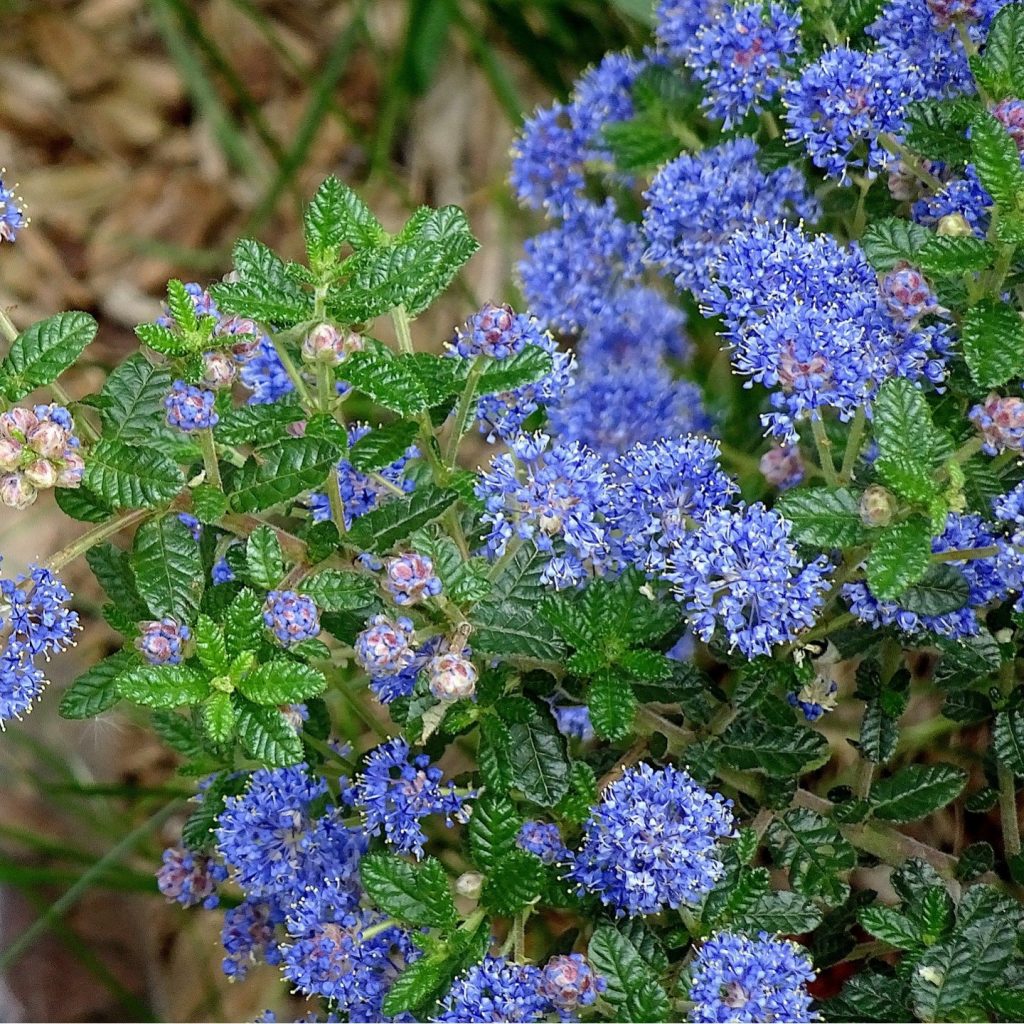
column 37, row 622
column 543, row 840
column 410, row 578
column 498, row 332
column 190, row 879
column 12, row 216
column 652, row 842
column 736, row 978
column 162, row 641
column 291, row 617
column 496, row 990
column 190, row 408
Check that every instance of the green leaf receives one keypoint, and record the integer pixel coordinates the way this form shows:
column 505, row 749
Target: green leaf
column 334, row 590
column 168, row 568
column 127, row 477
column 265, row 290
column 937, row 129
column 900, row 558
column 495, row 754
column 264, row 558
column 1004, row 53
column 893, row 240
column 181, row 306
column 42, row 352
column 777, row 750
column 492, row 830
column 282, row 471
column 267, row 737
column 889, row 925
column 870, row 997
column 815, row 853
column 258, row 424
column 953, row 974
column 208, row 503
column 942, row 589
column 916, row 791
column 217, row 714
column 823, row 517
column 243, row 623
column 1008, row 740
column 390, row 381
column 525, row 367
column 633, row 993
column 640, row 144
column 908, row 477
column 384, row 527
column 612, row 705
column 418, row 895
column 540, row 768
column 95, row 691
column 946, row 254
column 382, row 446
column 879, row 733
column 337, row 215
column 210, row 646
column 133, row 408
column 777, row 912
column 81, row 504
column 282, row 682
column 162, row 686
column 992, row 335
column 113, row 571
column 903, row 424
column 163, row 339
column 997, row 161
column 514, row 882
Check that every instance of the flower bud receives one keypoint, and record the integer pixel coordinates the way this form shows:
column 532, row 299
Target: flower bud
column 70, row 474
column 17, row 422
column 411, row 578
column 42, row 474
column 954, row 225
column 1000, row 421
column 48, row 439
column 469, row 884
column 782, row 466
column 10, row 453
column 569, row 981
column 16, row 492
column 452, row 677
column 326, row 344
column 161, row 641
column 877, row 506
column 218, row 369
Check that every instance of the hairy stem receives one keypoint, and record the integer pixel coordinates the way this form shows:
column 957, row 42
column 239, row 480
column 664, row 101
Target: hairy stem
column 466, row 402
column 853, row 443
column 210, row 463
column 824, row 446
column 96, row 535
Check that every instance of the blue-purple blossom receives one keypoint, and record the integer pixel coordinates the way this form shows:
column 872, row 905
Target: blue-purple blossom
column 636, row 323
column 291, row 617
column 573, row 720
column 189, row 878
column 361, row 493
column 394, row 794
column 569, row 981
column 615, row 405
column 248, row 936
column 652, row 842
column 740, row 572
column 495, row 990
column 737, row 978
column 907, row 293
column 162, row 641
column 264, row 374
column 842, row 105
column 1000, row 421
column 570, row 270
column 965, row 196
column 742, row 57
column 1010, row 114
column 12, row 217
column 190, row 408
column 543, row 840
column 410, row 578
column 988, row 579
column 498, row 332
column 546, row 492
column 222, row 572
column 547, row 160
column 697, row 202
column 677, row 23
column 782, row 466
column 816, row 697
column 384, row 649
column 191, row 524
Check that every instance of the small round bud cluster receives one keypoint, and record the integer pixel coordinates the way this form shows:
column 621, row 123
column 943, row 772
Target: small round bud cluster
column 877, row 506
column 162, row 641
column 384, row 648
column 1000, row 422
column 452, row 677
column 189, row 878
column 954, row 225
column 782, row 466
column 470, row 884
column 247, row 331
column 291, row 617
column 189, row 407
column 543, row 840
column 948, row 12
column 907, row 294
column 1010, row 113
column 38, row 450
column 569, row 981
column 12, row 219
column 496, row 331
column 410, row 578
column 219, row 370
column 326, row 344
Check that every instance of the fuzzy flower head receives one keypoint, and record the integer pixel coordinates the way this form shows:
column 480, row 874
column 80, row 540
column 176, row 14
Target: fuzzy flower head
column 395, row 793
column 964, row 200
column 1010, row 114
column 652, row 842
column 12, row 216
column 843, row 103
column 495, row 990
column 546, row 492
column 498, row 332
column 452, row 677
column 249, row 936
column 1000, row 421
column 636, row 324
column 547, row 160
column 384, row 648
column 740, row 572
column 543, row 840
column 189, row 878
column 742, row 58
column 38, row 450
column 190, row 408
column 613, row 406
column 291, row 617
column 162, row 641
column 361, row 493
column 736, row 978
column 697, row 202
column 569, row 981
column 907, row 294
column 782, row 466
column 677, row 23
column 411, row 579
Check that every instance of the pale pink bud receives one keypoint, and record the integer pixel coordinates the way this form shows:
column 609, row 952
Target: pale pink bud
column 218, row 369
column 452, row 677
column 70, row 474
column 17, row 422
column 42, row 473
column 47, row 438
column 16, row 492
column 10, row 453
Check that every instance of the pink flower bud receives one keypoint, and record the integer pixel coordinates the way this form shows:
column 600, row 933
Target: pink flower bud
column 47, row 438
column 42, row 474
column 70, row 474
column 16, row 492
column 452, row 677
column 17, row 422
column 218, row 369
column 10, row 453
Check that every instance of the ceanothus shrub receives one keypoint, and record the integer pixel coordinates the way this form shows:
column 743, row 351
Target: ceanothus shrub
column 733, row 599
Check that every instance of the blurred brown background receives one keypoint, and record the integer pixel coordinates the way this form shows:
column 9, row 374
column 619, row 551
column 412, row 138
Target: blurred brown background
column 146, row 136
